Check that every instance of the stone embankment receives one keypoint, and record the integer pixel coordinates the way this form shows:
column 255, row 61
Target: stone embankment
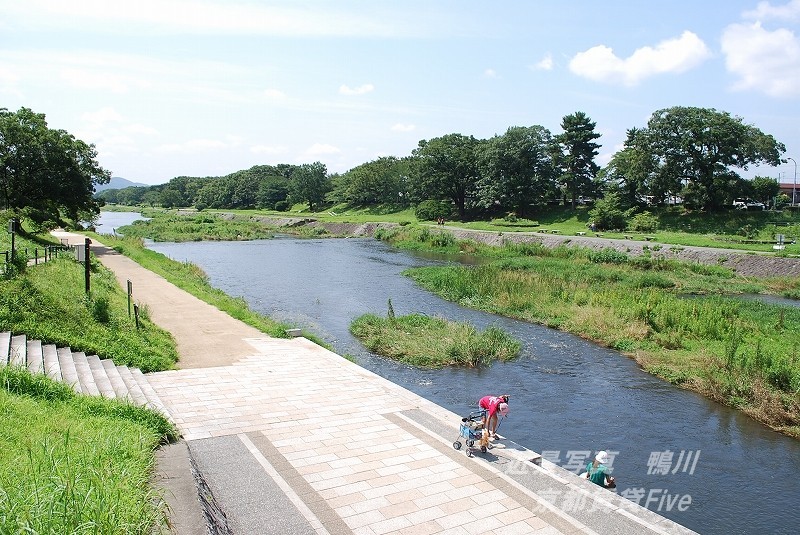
column 743, row 263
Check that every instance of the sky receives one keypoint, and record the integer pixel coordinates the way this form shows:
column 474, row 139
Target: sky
column 167, row 88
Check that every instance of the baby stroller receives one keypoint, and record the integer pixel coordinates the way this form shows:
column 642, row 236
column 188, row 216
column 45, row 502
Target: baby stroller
column 472, row 429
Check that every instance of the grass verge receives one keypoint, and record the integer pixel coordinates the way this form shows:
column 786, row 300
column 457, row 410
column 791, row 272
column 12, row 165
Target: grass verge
column 76, row 464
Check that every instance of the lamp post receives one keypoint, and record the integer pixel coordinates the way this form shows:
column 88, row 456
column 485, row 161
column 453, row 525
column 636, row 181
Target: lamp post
column 794, row 186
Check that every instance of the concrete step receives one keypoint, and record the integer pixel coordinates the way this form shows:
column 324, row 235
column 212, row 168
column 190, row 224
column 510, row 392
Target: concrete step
column 120, row 389
column 100, row 377
column 35, row 358
column 69, row 372
column 90, row 375
column 52, row 368
column 19, row 351
column 85, row 377
column 135, row 393
column 153, row 401
column 5, row 347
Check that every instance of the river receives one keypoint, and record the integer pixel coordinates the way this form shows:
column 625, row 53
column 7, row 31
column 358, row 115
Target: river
column 569, row 397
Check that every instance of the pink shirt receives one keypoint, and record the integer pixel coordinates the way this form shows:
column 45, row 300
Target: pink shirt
column 490, row 403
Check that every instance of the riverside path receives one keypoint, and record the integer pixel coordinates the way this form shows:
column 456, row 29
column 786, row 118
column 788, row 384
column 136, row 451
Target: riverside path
column 284, row 436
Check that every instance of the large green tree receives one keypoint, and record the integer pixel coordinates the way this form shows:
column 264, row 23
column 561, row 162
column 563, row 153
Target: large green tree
column 446, row 169
column 381, row 181
column 46, row 169
column 578, row 151
column 696, row 152
column 309, row 184
column 517, row 169
column 765, row 189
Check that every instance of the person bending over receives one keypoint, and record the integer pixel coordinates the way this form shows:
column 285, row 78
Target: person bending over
column 494, row 407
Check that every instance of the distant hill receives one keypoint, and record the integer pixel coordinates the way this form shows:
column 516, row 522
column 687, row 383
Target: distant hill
column 117, row 183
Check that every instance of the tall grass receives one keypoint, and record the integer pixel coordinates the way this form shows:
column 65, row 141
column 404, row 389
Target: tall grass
column 72, row 464
column 433, row 342
column 197, row 227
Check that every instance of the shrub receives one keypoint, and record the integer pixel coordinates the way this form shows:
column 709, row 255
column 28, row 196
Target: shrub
column 608, row 213
column 643, row 222
column 608, row 256
column 431, row 210
column 283, row 206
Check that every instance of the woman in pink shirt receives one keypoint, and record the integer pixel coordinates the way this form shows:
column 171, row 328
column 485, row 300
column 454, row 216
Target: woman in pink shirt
column 494, row 405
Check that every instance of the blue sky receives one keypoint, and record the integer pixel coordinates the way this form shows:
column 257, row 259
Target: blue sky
column 165, row 88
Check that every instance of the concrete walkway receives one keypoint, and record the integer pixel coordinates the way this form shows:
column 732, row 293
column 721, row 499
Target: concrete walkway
column 284, row 436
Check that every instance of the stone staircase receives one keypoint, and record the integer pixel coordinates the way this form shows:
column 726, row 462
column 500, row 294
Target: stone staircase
column 88, row 375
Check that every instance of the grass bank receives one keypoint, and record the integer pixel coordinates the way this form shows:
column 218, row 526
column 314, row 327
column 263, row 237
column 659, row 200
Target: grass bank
column 672, row 317
column 49, row 303
column 432, row 342
column 76, row 464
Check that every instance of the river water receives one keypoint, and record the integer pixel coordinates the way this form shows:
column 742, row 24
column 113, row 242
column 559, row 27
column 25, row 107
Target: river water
column 569, row 397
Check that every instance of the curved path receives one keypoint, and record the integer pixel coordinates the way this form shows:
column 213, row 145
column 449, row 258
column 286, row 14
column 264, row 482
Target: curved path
column 287, row 437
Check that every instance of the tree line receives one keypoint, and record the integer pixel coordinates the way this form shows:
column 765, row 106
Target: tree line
column 692, row 153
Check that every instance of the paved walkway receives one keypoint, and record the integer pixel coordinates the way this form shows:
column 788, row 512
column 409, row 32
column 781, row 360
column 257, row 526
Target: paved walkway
column 287, row 437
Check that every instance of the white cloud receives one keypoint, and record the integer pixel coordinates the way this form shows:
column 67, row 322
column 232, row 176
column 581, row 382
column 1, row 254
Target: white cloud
column 319, row 149
column 763, row 60
column 102, row 116
column 102, row 81
column 490, row 73
column 400, row 127
column 8, row 76
column 141, row 129
column 111, row 132
column 191, row 16
column 766, row 11
column 194, row 146
column 274, row 94
column 544, row 64
column 360, row 90
column 271, row 150
column 671, row 56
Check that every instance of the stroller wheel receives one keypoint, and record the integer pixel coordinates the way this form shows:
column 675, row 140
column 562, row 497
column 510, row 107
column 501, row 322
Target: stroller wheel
column 457, row 445
column 469, row 452
column 470, row 443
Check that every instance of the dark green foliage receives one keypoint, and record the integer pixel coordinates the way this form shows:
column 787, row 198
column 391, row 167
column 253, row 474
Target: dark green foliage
column 46, row 168
column 608, row 213
column 432, row 210
column 608, row 256
column 643, row 222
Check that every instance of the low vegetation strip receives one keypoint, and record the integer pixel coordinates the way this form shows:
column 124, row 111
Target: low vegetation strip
column 433, row 342
column 675, row 318
column 76, row 464
column 174, row 227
